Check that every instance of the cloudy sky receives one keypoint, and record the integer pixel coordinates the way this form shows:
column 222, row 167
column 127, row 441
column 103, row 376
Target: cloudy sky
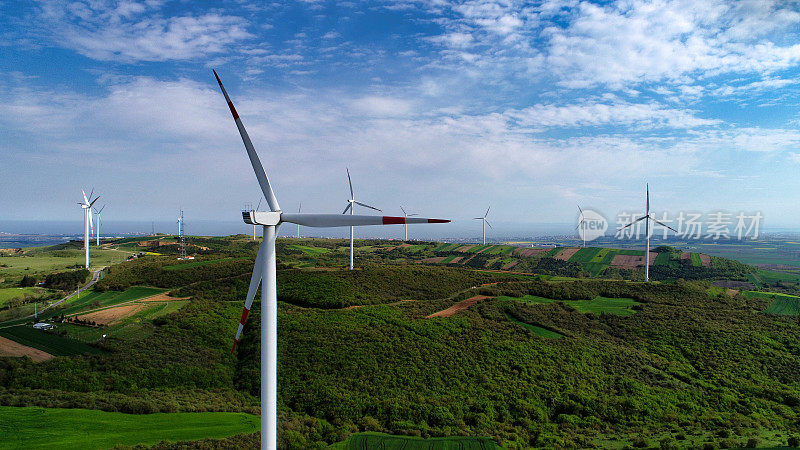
column 443, row 107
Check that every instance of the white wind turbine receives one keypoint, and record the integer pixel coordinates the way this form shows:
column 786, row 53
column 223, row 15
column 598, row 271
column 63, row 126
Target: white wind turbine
column 299, row 208
column 647, row 232
column 351, row 202
column 265, row 267
column 485, row 222
column 87, row 220
column 405, row 227
column 582, row 222
column 99, row 221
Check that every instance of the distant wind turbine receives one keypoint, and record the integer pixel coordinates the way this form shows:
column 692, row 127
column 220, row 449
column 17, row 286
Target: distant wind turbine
column 405, row 227
column 87, row 220
column 265, row 266
column 647, row 232
column 299, row 208
column 99, row 220
column 351, row 202
column 485, row 222
column 582, row 222
column 180, row 223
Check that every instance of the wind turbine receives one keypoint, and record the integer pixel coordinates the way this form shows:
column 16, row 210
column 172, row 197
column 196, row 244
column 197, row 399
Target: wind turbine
column 298, row 225
column 265, row 266
column 351, row 202
column 582, row 221
column 99, row 220
column 647, row 232
column 87, row 220
column 405, row 227
column 180, row 223
column 485, row 222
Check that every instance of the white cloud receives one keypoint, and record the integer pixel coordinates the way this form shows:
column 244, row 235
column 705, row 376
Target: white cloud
column 626, row 42
column 136, row 31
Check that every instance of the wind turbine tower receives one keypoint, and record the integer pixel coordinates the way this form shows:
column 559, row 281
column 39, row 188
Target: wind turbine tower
column 582, row 223
column 351, row 202
column 485, row 222
column 299, row 208
column 99, row 221
column 647, row 218
column 405, row 226
column 265, row 267
column 87, row 220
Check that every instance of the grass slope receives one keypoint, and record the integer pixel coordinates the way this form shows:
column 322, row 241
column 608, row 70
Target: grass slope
column 535, row 329
column 91, row 429
column 50, row 343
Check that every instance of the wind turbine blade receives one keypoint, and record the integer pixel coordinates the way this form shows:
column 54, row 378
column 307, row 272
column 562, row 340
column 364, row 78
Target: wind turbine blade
column 91, row 193
column 637, row 220
column 478, row 218
column 91, row 223
column 349, row 181
column 259, row 203
column 101, row 209
column 261, row 175
column 404, row 211
column 255, row 280
column 487, row 223
column 487, row 211
column 347, row 208
column 341, row 220
column 90, row 204
column 412, row 215
column 664, row 225
column 85, row 200
column 367, row 206
column 579, row 209
column 300, row 207
column 648, row 198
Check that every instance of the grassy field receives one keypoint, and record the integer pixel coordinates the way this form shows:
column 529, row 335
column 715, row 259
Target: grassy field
column 50, row 343
column 43, row 262
column 91, row 429
column 7, row 294
column 597, row 305
column 361, row 441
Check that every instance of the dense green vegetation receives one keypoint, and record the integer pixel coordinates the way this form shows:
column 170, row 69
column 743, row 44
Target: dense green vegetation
column 384, row 441
column 693, row 366
column 66, row 281
column 88, row 429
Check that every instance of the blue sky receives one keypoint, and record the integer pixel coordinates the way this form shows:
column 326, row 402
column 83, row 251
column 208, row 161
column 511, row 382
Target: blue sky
column 443, row 107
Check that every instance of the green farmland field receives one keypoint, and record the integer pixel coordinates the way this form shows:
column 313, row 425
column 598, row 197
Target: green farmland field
column 781, row 303
column 597, row 305
column 361, row 441
column 91, row 429
column 585, row 255
column 50, row 343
